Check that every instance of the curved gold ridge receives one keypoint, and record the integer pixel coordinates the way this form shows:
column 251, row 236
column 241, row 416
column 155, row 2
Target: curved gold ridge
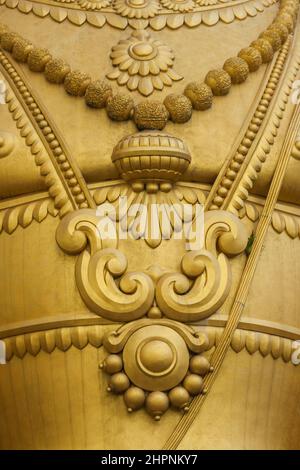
column 156, row 316
column 79, row 13
column 153, row 114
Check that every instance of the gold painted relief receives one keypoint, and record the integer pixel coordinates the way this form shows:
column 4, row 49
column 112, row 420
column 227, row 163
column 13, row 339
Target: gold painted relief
column 149, row 223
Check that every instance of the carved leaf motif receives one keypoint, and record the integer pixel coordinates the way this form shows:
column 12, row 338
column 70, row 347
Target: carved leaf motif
column 238, row 341
column 292, row 226
column 265, row 345
column 193, row 19
column 286, row 349
column 79, row 337
column 259, row 6
column 175, row 21
column 239, row 12
column 95, row 335
column 24, row 6
column 251, row 10
column 19, row 347
column 32, row 342
column 26, row 215
column 117, row 21
column 58, row 14
column 9, row 349
column 210, row 18
column 76, row 17
column 47, row 339
column 252, row 343
column 12, row 3
column 139, row 24
column 145, row 86
column 251, row 211
column 276, row 347
column 133, row 82
column 158, row 23
column 10, row 220
column 226, row 15
column 63, row 339
column 278, row 222
column 96, row 19
column 41, row 10
column 100, row 195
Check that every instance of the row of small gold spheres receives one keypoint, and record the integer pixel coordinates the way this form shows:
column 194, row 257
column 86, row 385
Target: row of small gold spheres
column 253, row 127
column 55, row 148
column 152, row 114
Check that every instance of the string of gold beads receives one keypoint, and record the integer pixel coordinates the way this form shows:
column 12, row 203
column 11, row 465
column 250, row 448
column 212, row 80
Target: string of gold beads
column 154, row 114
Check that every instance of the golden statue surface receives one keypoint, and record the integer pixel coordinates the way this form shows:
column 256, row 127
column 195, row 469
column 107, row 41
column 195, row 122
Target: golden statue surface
column 149, row 224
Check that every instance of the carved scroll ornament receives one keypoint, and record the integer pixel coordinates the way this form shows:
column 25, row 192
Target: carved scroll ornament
column 154, row 361
column 110, row 291
column 204, row 283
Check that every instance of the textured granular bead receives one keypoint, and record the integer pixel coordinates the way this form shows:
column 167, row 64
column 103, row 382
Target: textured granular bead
column 8, row 39
column 76, row 83
column 237, row 68
column 265, row 49
column 273, row 38
column 287, row 23
column 150, row 115
column 281, row 30
column 219, row 81
column 21, row 49
column 38, row 58
column 287, row 20
column 97, row 94
column 252, row 56
column 119, row 107
column 200, row 95
column 56, row 70
column 179, row 107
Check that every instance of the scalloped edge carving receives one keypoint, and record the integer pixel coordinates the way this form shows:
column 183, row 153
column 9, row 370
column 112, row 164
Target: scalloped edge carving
column 24, row 214
column 283, row 219
column 208, row 16
column 82, row 336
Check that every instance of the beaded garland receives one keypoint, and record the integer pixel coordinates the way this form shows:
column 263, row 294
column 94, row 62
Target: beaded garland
column 154, row 114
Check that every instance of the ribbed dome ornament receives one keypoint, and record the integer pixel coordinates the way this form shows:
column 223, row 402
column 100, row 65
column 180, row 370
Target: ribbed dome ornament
column 151, row 160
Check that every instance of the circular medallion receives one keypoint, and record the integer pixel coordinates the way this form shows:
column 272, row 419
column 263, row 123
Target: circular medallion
column 156, row 358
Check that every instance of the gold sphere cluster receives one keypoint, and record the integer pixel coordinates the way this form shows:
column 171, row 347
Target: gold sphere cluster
column 98, row 93
column 38, row 58
column 152, row 114
column 156, row 402
column 21, row 49
column 252, row 57
column 254, row 125
column 76, row 83
column 56, row 70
